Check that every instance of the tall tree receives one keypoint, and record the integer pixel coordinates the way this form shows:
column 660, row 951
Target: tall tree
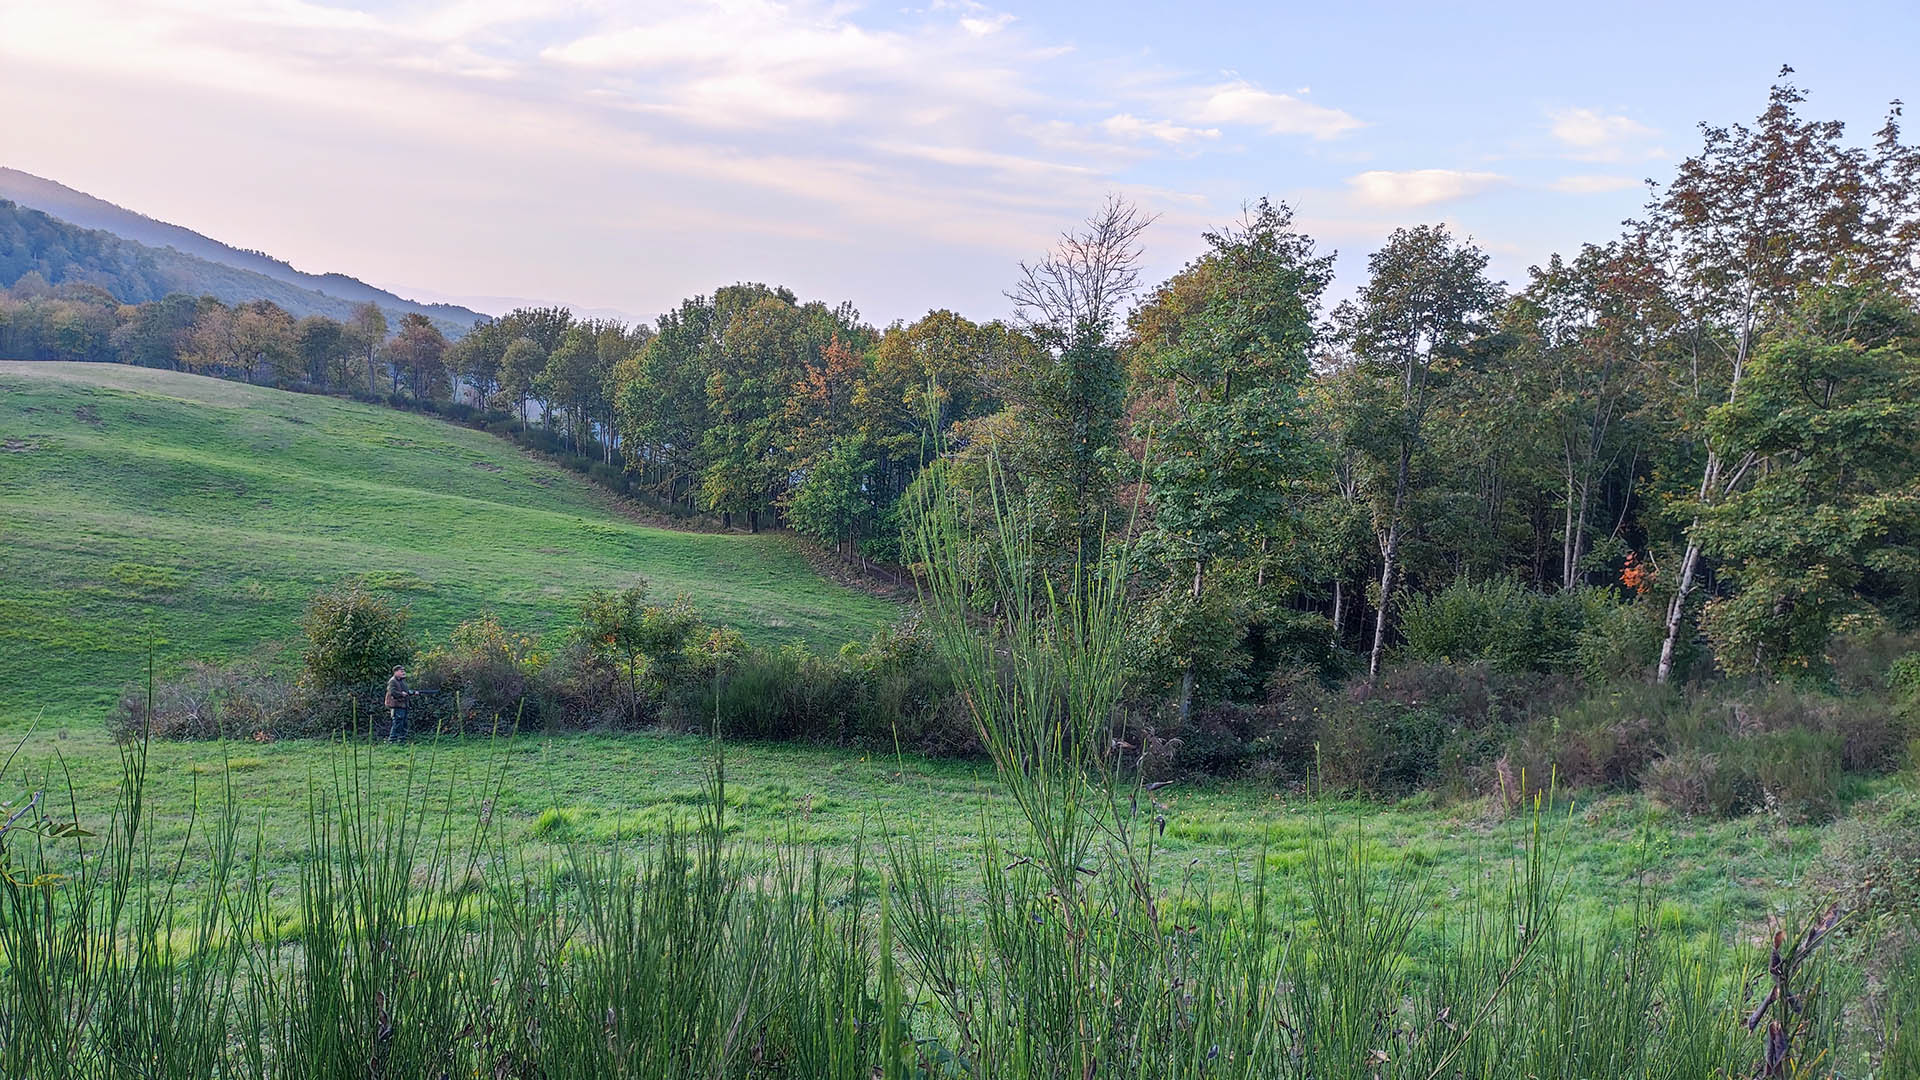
column 1427, row 295
column 661, row 400
column 520, row 369
column 1594, row 327
column 1759, row 217
column 367, row 329
column 1070, row 303
column 1829, row 524
column 321, row 343
column 1226, row 345
column 419, row 351
column 762, row 354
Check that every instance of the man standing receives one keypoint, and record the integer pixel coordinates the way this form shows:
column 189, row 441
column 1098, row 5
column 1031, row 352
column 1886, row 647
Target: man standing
column 397, row 695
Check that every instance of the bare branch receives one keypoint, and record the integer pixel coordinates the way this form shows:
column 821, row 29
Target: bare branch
column 1088, row 276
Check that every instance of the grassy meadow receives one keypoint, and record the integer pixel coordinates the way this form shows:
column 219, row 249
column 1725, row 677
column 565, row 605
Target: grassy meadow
column 547, row 794
column 464, row 904
column 144, row 509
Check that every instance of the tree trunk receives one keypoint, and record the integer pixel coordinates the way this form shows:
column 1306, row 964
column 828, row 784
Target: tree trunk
column 1677, row 609
column 1390, row 552
column 1709, row 491
column 1566, row 534
column 1186, row 677
column 1389, row 555
column 1338, row 598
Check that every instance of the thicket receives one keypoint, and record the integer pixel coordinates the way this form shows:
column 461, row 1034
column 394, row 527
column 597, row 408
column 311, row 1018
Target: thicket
column 1509, row 702
column 625, row 662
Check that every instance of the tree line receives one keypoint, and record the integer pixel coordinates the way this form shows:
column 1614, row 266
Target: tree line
column 1709, row 421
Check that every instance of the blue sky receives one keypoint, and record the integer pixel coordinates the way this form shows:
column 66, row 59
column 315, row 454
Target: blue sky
column 619, row 156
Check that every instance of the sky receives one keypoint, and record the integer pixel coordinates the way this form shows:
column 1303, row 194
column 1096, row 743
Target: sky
column 618, row 156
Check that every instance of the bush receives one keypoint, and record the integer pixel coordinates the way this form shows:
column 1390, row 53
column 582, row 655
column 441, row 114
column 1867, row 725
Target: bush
column 494, row 672
column 1903, row 676
column 1602, row 741
column 1619, row 643
column 1869, row 734
column 1381, row 746
column 1795, row 772
column 355, row 638
column 1502, row 624
column 1690, row 781
column 208, row 702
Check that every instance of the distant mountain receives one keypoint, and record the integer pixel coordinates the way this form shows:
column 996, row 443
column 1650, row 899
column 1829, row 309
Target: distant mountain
column 193, row 252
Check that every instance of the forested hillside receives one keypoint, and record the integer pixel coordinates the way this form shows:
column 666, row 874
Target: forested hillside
column 1682, row 452
column 88, row 212
column 40, row 251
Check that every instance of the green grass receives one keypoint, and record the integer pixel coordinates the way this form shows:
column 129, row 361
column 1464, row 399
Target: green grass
column 146, row 509
column 608, row 791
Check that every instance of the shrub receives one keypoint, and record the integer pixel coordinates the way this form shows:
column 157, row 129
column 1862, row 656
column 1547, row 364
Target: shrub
column 209, row 701
column 1503, row 624
column 1903, row 676
column 1795, row 772
column 1381, row 746
column 494, row 671
column 1619, row 643
column 1603, row 741
column 355, row 638
column 1870, row 735
column 579, row 689
column 1690, row 782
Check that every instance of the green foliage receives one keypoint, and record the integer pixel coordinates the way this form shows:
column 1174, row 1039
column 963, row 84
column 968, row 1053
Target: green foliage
column 832, row 505
column 354, row 638
column 1227, row 342
column 1829, row 414
column 1504, row 624
column 1903, row 675
column 245, row 499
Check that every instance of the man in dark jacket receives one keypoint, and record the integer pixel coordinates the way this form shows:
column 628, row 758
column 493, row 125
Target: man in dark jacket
column 397, row 695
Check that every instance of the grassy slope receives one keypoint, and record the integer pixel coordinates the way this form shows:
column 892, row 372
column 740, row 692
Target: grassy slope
column 143, row 508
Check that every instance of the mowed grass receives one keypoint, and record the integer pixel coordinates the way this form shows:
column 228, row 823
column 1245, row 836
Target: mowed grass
column 148, row 510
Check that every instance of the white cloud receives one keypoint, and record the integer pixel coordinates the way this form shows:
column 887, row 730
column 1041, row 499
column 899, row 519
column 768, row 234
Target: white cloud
column 1591, row 135
column 960, row 126
column 1129, row 126
column 1592, row 184
column 1418, row 187
column 981, row 27
column 1243, row 103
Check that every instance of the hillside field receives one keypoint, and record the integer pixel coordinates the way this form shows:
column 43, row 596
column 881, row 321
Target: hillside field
column 145, row 510
column 194, row 516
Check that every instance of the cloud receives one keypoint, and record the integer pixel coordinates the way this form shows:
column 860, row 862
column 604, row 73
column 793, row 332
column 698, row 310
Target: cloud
column 1591, row 135
column 956, row 127
column 1129, row 126
column 1243, row 103
column 1593, row 185
column 982, row 26
column 1418, row 187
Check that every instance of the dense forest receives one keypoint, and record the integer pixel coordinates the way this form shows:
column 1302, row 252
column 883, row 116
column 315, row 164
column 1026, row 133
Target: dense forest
column 1691, row 447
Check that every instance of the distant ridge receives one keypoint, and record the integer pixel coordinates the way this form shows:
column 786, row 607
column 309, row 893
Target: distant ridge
column 79, row 208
